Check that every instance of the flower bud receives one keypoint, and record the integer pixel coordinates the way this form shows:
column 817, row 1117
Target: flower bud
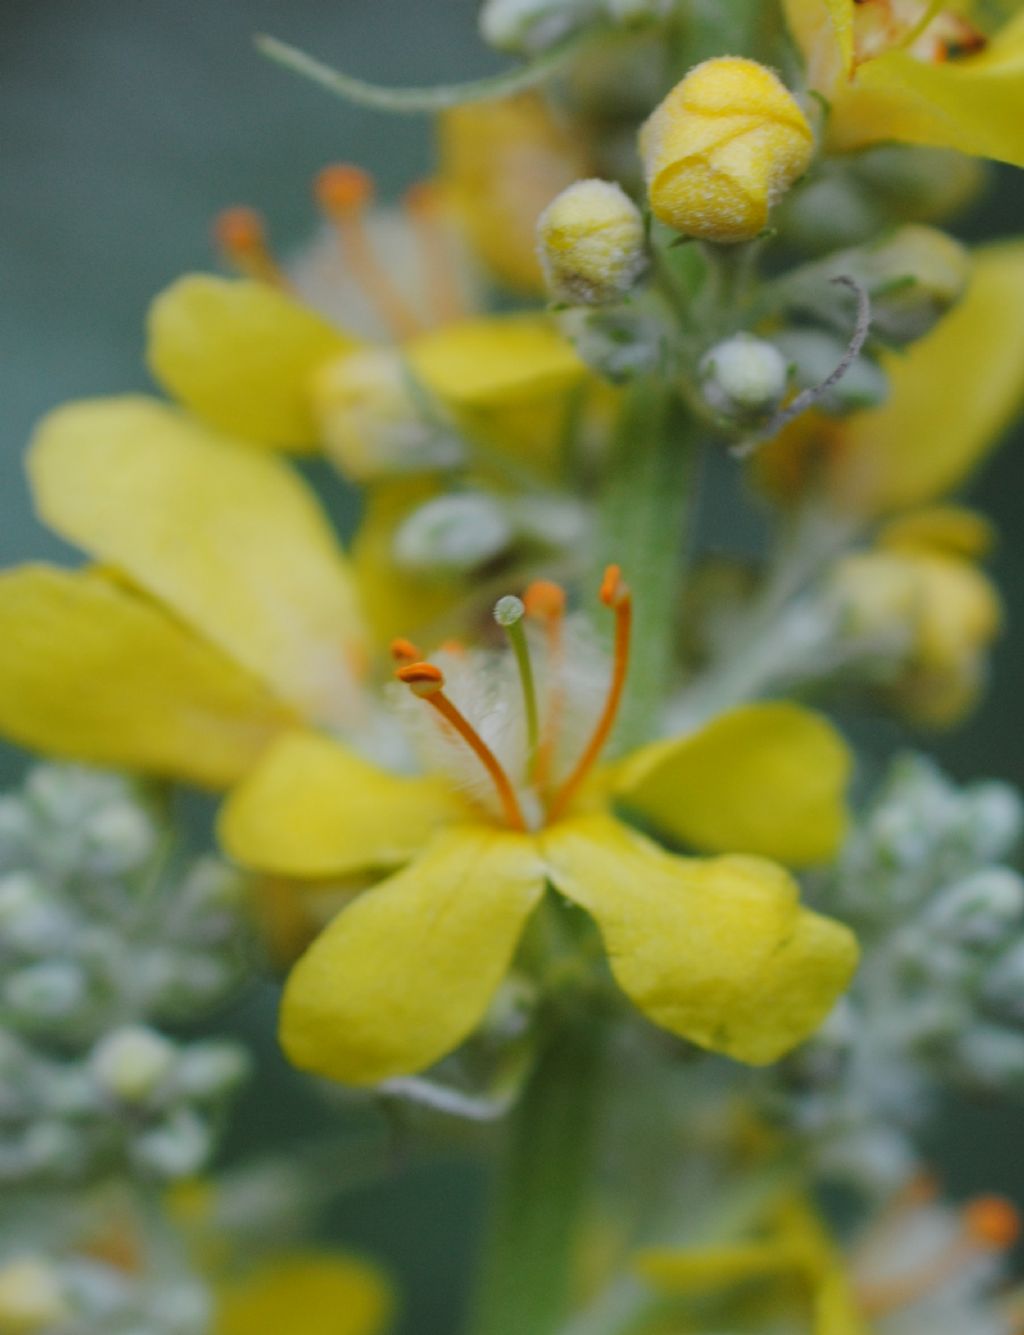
column 51, row 990
column 979, row 910
column 372, row 424
column 618, row 342
column 722, row 148
column 744, row 378
column 914, row 278
column 591, row 243
column 453, row 534
column 526, row 27
column 31, row 1297
column 176, row 1148
column 131, row 1063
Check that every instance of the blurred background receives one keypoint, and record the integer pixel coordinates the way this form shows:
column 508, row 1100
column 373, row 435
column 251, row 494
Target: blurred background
column 126, row 124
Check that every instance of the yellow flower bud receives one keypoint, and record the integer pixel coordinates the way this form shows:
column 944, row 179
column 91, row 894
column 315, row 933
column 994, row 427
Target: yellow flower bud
column 939, row 612
column 721, row 148
column 591, row 243
column 30, row 1297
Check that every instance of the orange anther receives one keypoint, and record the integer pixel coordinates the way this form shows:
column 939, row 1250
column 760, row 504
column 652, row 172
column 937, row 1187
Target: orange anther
column 343, row 188
column 993, row 1221
column 424, row 679
column 404, row 651
column 241, row 236
column 239, row 230
column 544, row 599
column 451, row 646
column 614, row 590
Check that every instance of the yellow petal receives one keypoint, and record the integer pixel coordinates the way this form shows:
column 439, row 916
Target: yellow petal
column 92, row 672
column 401, row 977
column 767, row 779
column 719, row 951
column 502, row 162
column 823, row 29
column 952, row 530
column 495, row 362
column 952, row 396
column 232, row 539
column 974, row 104
column 241, row 354
column 308, row 1293
column 315, row 808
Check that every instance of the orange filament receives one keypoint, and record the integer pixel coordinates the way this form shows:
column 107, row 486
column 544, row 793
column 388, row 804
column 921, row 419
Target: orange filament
column 545, row 602
column 423, row 205
column 343, row 192
column 404, row 651
column 241, row 237
column 615, row 594
column 427, row 681
column 989, row 1223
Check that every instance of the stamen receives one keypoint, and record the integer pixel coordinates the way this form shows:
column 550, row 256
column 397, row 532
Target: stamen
column 423, row 205
column 404, row 651
column 241, row 236
column 545, row 602
column 509, row 613
column 988, row 1223
column 343, row 192
column 615, row 593
column 427, row 681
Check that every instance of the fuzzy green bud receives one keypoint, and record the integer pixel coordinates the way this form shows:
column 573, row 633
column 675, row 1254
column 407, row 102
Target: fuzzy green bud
column 591, row 243
column 453, row 534
column 744, row 378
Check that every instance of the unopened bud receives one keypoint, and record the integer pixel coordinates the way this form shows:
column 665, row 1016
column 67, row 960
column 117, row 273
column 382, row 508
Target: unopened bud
column 31, row 1297
column 991, row 1056
column 211, row 1069
column 372, row 423
column 979, row 910
column 121, row 836
column 914, row 277
column 453, row 534
column 744, row 378
column 722, row 148
column 177, row 1148
column 591, row 243
column 619, row 342
column 52, row 990
column 131, row 1063
column 526, row 27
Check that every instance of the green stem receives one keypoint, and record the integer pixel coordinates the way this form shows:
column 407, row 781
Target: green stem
column 526, row 1278
column 647, row 494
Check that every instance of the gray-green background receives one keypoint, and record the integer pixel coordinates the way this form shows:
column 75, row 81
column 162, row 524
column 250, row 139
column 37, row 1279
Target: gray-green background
column 124, row 125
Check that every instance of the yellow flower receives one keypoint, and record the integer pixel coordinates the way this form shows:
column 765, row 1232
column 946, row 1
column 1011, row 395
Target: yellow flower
column 257, row 359
column 502, row 162
column 306, row 1293
column 916, row 1262
column 921, row 581
column 221, row 612
column 952, row 394
column 721, row 149
column 717, row 950
column 911, row 70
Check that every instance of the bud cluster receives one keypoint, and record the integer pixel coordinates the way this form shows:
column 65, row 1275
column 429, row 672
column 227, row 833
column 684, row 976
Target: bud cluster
column 937, row 1001
column 104, row 932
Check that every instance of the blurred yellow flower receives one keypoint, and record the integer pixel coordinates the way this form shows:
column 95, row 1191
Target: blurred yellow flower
column 722, row 148
column 717, row 950
column 256, row 358
column 502, row 162
column 915, row 71
column 920, row 581
column 306, row 1293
